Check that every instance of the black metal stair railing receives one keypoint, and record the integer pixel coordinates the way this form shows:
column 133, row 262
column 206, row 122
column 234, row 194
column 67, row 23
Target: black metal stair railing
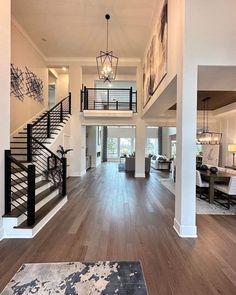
column 19, row 188
column 122, row 99
column 49, row 165
column 48, row 124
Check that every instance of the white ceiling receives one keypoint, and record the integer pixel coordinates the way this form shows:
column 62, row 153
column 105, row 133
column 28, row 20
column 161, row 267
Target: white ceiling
column 77, row 28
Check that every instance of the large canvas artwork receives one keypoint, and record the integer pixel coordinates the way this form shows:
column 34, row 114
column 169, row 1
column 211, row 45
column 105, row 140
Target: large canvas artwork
column 211, row 154
column 155, row 64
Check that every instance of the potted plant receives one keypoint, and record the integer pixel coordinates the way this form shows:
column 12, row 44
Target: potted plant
column 62, row 152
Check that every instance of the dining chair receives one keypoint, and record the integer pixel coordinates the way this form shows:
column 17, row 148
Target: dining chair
column 201, row 185
column 226, row 190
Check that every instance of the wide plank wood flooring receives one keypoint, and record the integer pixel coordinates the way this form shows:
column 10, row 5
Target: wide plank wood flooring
column 112, row 216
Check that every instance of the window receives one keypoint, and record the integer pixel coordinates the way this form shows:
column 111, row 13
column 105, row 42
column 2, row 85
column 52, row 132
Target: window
column 125, row 146
column 152, row 146
column 112, row 147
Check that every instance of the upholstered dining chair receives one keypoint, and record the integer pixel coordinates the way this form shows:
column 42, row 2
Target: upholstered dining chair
column 226, row 190
column 201, row 185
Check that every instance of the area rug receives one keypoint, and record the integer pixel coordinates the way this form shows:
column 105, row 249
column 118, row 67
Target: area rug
column 76, row 278
column 121, row 167
column 203, row 207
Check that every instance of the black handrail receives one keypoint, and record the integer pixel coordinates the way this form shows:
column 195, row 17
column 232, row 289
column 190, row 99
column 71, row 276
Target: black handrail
column 11, row 164
column 124, row 99
column 44, row 126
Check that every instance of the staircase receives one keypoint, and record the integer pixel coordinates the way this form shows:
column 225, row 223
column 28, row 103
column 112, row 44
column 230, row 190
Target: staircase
column 35, row 177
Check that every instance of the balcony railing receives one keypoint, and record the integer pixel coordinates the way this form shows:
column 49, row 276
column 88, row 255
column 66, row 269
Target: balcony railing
column 120, row 99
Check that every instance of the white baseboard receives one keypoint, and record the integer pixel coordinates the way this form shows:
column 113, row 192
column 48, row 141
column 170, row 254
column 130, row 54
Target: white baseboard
column 185, row 231
column 78, row 174
column 82, row 172
column 1, row 231
column 139, row 175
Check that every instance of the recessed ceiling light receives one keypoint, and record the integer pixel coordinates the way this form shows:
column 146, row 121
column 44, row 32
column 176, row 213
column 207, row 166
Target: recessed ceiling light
column 64, row 68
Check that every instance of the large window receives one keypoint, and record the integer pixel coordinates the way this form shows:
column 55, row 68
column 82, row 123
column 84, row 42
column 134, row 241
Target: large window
column 120, row 146
column 152, row 146
column 125, row 146
column 112, row 147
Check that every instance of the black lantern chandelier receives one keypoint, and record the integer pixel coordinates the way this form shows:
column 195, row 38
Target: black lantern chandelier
column 107, row 62
column 206, row 136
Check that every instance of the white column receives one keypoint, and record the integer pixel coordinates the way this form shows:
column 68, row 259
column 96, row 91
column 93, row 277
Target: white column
column 5, row 60
column 185, row 199
column 140, row 132
column 78, row 132
column 140, row 140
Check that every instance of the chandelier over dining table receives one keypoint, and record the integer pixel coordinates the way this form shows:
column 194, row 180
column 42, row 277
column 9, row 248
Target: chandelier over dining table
column 107, row 62
column 206, row 136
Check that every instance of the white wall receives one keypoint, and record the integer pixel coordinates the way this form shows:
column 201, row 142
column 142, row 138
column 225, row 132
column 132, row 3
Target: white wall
column 174, row 52
column 92, row 145
column 166, row 141
column 24, row 54
column 5, row 50
column 227, row 125
column 62, row 87
column 60, row 140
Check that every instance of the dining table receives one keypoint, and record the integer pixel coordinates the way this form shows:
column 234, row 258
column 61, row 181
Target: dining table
column 211, row 178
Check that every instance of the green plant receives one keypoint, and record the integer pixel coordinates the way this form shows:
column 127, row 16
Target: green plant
column 62, row 152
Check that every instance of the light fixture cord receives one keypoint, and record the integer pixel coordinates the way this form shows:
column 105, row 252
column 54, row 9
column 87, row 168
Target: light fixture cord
column 207, row 115
column 107, row 35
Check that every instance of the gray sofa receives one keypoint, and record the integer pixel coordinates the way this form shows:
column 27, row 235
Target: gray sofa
column 130, row 164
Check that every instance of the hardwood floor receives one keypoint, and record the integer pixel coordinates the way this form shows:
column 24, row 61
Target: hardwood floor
column 112, row 216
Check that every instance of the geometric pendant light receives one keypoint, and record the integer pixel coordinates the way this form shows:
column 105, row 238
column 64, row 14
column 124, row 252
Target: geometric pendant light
column 106, row 62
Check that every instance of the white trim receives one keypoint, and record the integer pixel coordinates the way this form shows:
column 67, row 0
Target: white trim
column 78, row 174
column 1, row 230
column 107, row 114
column 185, row 231
column 28, row 233
column 83, row 172
column 140, row 175
column 27, row 37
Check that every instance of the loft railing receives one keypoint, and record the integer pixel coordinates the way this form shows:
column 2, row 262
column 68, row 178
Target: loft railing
column 19, row 188
column 48, row 124
column 122, row 99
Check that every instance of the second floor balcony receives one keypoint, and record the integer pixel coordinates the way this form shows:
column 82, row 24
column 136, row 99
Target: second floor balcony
column 123, row 100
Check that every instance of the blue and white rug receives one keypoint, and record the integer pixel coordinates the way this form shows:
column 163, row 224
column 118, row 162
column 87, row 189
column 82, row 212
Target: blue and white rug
column 76, row 278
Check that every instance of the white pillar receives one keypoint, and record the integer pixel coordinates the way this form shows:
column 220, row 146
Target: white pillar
column 78, row 132
column 185, row 199
column 140, row 140
column 5, row 61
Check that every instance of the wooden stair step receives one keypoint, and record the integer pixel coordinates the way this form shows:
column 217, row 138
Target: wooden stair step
column 16, row 212
column 23, row 191
column 42, row 212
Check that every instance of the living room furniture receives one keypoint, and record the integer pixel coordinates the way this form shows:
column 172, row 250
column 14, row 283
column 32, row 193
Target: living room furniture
column 201, row 184
column 160, row 163
column 221, row 177
column 228, row 190
column 130, row 164
column 232, row 149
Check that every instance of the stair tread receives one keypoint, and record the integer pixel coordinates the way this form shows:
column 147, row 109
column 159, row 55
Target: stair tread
column 16, row 212
column 42, row 212
column 23, row 191
column 22, row 179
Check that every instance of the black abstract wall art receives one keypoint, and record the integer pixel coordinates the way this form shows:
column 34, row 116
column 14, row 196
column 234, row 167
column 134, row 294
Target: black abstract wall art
column 17, row 82
column 34, row 86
